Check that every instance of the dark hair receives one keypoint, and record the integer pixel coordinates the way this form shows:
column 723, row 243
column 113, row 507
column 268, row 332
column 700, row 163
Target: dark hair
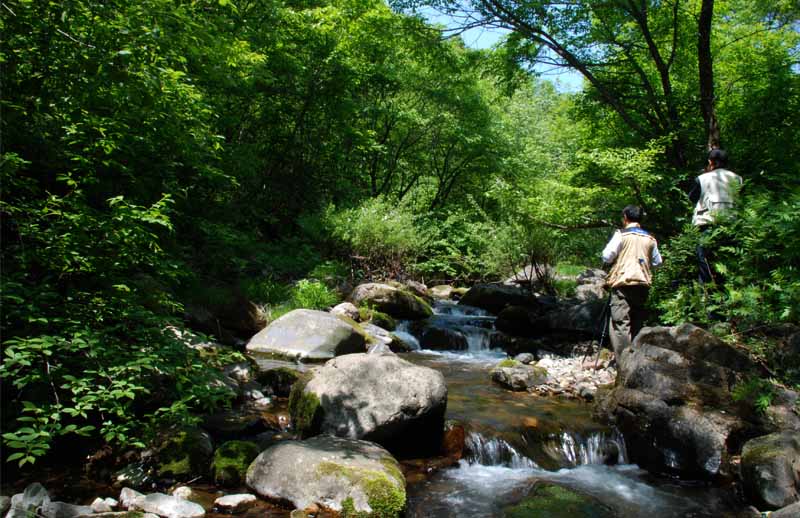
column 632, row 213
column 719, row 157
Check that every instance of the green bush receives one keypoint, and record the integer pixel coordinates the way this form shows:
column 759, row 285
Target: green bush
column 381, row 236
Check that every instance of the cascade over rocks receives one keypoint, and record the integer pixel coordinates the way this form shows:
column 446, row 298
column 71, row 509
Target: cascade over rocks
column 377, row 397
column 310, row 335
column 396, row 302
column 672, row 399
column 341, row 474
column 771, row 469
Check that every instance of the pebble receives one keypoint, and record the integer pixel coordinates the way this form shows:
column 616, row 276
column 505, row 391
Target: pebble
column 575, row 377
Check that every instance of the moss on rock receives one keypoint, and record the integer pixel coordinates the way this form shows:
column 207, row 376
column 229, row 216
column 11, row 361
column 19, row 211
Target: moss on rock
column 378, row 318
column 508, row 362
column 231, row 461
column 185, row 454
column 552, row 501
column 386, row 497
column 305, row 408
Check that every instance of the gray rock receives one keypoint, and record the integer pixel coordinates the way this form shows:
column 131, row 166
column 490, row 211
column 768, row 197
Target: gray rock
column 33, row 498
column 381, row 398
column 235, row 504
column 582, row 318
column 241, row 372
column 521, row 321
column 184, row 492
column 771, row 469
column 441, row 291
column 328, row 471
column 63, row 510
column 104, row 505
column 781, row 415
column 586, row 391
column 525, row 358
column 127, row 497
column 442, row 338
column 496, row 297
column 790, row 511
column 167, row 506
column 591, row 276
column 380, row 335
column 394, row 301
column 587, row 292
column 348, row 310
column 672, row 400
column 5, row 504
column 517, row 376
column 308, row 335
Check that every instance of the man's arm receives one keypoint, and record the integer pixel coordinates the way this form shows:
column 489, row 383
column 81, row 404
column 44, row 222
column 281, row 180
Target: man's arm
column 612, row 249
column 655, row 257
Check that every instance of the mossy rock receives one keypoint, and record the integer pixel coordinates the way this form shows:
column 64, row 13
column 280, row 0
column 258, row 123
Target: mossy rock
column 384, row 496
column 547, row 500
column 304, row 408
column 231, row 461
column 378, row 318
column 185, row 454
column 279, row 380
column 508, row 362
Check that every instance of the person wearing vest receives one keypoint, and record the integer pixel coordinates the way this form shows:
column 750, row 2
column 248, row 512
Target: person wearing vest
column 633, row 253
column 714, row 194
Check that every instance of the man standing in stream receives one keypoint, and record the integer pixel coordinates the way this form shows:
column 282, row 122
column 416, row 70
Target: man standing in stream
column 633, row 253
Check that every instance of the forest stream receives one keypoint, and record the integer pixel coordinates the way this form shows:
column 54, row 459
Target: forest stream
column 515, row 438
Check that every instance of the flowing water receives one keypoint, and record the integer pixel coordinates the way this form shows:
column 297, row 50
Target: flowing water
column 515, row 439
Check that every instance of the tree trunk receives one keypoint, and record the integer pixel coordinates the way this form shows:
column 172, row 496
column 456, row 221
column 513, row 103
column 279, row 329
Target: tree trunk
column 706, row 74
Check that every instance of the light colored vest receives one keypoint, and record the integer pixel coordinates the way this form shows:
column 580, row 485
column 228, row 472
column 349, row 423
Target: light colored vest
column 632, row 266
column 718, row 189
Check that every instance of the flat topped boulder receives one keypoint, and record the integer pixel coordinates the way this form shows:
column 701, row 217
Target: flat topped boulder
column 397, row 302
column 307, row 334
column 377, row 397
column 349, row 476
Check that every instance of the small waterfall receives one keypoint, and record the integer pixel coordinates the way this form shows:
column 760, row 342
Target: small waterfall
column 596, row 448
column 495, row 452
column 402, row 332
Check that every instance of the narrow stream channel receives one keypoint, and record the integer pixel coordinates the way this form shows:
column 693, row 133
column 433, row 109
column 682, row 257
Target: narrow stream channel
column 515, row 439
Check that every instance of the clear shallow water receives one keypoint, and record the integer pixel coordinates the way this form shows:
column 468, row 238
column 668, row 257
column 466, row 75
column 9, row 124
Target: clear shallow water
column 515, row 439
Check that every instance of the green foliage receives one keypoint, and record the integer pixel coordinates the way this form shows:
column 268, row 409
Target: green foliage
column 756, row 392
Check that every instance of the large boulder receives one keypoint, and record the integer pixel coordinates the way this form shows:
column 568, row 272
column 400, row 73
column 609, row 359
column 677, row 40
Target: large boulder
column 495, row 297
column 310, row 335
column 771, row 469
column 348, row 476
column 672, row 399
column 522, row 321
column 377, row 397
column 395, row 301
column 442, row 338
column 584, row 318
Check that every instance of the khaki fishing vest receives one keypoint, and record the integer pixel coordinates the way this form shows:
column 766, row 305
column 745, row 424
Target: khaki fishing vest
column 632, row 266
column 718, row 190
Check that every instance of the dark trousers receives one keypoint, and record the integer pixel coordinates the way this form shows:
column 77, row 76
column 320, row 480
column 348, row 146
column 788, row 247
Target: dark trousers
column 627, row 315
